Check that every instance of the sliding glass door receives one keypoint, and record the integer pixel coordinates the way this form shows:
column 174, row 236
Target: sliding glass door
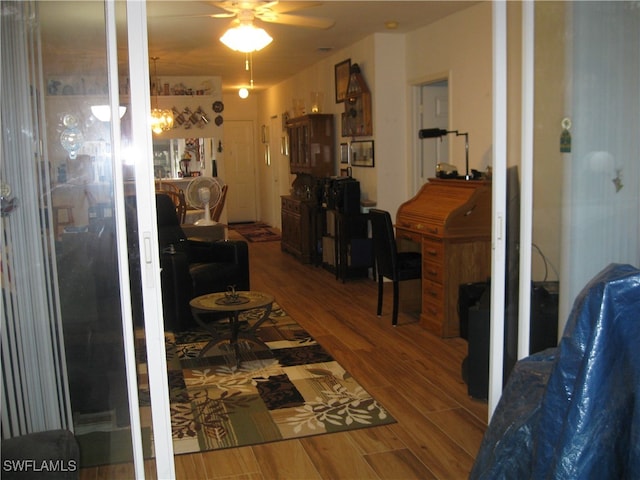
column 601, row 172
column 586, row 182
column 572, row 73
column 71, row 329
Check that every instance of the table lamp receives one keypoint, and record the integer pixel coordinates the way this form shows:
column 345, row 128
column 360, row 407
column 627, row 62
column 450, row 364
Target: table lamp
column 438, row 133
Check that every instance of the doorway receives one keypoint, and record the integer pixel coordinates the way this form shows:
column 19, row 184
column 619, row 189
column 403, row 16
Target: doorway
column 239, row 157
column 431, row 107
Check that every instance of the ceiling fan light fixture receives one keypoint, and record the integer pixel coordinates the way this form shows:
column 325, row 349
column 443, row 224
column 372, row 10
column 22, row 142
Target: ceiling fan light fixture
column 246, row 38
column 103, row 112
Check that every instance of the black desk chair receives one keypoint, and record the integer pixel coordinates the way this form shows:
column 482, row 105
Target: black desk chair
column 394, row 265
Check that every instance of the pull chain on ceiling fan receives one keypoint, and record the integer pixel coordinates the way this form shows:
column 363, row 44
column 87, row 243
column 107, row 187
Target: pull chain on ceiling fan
column 243, row 92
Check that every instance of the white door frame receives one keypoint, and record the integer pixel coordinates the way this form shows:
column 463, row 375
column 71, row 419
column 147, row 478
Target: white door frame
column 499, row 193
column 499, row 217
column 128, row 339
column 141, row 144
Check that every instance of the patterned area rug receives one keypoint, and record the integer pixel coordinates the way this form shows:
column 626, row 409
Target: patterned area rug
column 256, row 232
column 287, row 386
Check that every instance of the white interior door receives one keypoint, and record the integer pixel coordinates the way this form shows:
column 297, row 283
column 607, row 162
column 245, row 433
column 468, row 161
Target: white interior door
column 434, row 113
column 240, row 169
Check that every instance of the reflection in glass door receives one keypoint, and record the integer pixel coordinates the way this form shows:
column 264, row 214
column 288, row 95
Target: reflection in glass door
column 68, row 338
column 587, row 168
column 579, row 166
column 62, row 184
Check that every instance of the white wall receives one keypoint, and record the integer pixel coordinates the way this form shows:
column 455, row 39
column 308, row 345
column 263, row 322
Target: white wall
column 459, row 44
column 320, row 77
column 392, row 160
column 389, row 112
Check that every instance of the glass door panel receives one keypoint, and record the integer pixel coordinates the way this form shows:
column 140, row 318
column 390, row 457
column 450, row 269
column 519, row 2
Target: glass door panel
column 60, row 232
column 573, row 136
column 586, row 143
column 80, row 154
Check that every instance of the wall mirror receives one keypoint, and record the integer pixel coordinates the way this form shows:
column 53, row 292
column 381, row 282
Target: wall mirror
column 172, row 156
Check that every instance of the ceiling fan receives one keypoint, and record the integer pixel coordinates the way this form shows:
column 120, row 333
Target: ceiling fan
column 271, row 12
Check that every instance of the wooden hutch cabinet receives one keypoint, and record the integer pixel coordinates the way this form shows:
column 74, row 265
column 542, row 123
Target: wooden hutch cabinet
column 311, row 145
column 450, row 221
column 311, row 157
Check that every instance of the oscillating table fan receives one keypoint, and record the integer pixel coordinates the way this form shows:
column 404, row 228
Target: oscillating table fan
column 204, row 193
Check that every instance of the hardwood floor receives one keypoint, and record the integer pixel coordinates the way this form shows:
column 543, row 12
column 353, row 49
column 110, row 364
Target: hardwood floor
column 410, row 371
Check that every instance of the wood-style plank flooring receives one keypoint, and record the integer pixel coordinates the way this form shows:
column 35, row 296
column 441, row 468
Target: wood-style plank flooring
column 413, row 373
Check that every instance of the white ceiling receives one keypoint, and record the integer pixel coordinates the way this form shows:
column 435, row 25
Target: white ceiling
column 186, row 38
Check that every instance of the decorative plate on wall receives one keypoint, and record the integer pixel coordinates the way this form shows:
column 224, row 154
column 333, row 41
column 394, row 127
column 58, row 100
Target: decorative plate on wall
column 217, row 106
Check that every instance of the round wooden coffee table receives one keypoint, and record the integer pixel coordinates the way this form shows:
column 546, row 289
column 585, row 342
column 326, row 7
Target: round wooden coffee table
column 222, row 302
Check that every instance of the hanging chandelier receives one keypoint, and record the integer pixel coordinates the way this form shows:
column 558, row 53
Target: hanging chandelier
column 161, row 119
column 246, row 37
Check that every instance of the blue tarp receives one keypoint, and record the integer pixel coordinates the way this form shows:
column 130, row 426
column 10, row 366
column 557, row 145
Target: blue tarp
column 573, row 412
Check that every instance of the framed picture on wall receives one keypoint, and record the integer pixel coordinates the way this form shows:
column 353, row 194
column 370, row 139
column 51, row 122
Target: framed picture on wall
column 342, row 70
column 344, row 153
column 362, row 153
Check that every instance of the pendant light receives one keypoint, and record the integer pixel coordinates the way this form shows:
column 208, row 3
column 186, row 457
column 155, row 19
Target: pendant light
column 161, row 119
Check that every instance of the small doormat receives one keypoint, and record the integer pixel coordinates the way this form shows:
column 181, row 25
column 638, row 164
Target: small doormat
column 256, row 232
column 287, row 386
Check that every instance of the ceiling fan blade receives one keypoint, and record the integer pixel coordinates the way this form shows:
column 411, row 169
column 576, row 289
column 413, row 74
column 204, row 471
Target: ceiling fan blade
column 288, row 6
column 164, row 9
column 236, row 6
column 296, row 20
column 222, row 15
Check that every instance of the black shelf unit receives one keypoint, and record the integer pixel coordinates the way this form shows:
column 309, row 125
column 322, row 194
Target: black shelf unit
column 347, row 245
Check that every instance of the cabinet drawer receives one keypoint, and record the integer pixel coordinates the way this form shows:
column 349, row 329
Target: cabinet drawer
column 433, row 251
column 432, row 317
column 433, row 292
column 423, row 228
column 432, row 271
column 402, row 234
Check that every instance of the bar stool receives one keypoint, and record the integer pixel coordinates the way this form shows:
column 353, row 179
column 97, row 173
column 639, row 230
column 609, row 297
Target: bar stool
column 61, row 223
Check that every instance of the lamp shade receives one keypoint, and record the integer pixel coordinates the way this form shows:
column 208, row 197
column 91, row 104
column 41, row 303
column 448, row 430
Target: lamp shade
column 431, row 133
column 246, row 38
column 103, row 112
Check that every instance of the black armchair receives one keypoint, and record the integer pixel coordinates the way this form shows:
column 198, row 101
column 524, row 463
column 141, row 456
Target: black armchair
column 193, row 266
column 394, row 265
